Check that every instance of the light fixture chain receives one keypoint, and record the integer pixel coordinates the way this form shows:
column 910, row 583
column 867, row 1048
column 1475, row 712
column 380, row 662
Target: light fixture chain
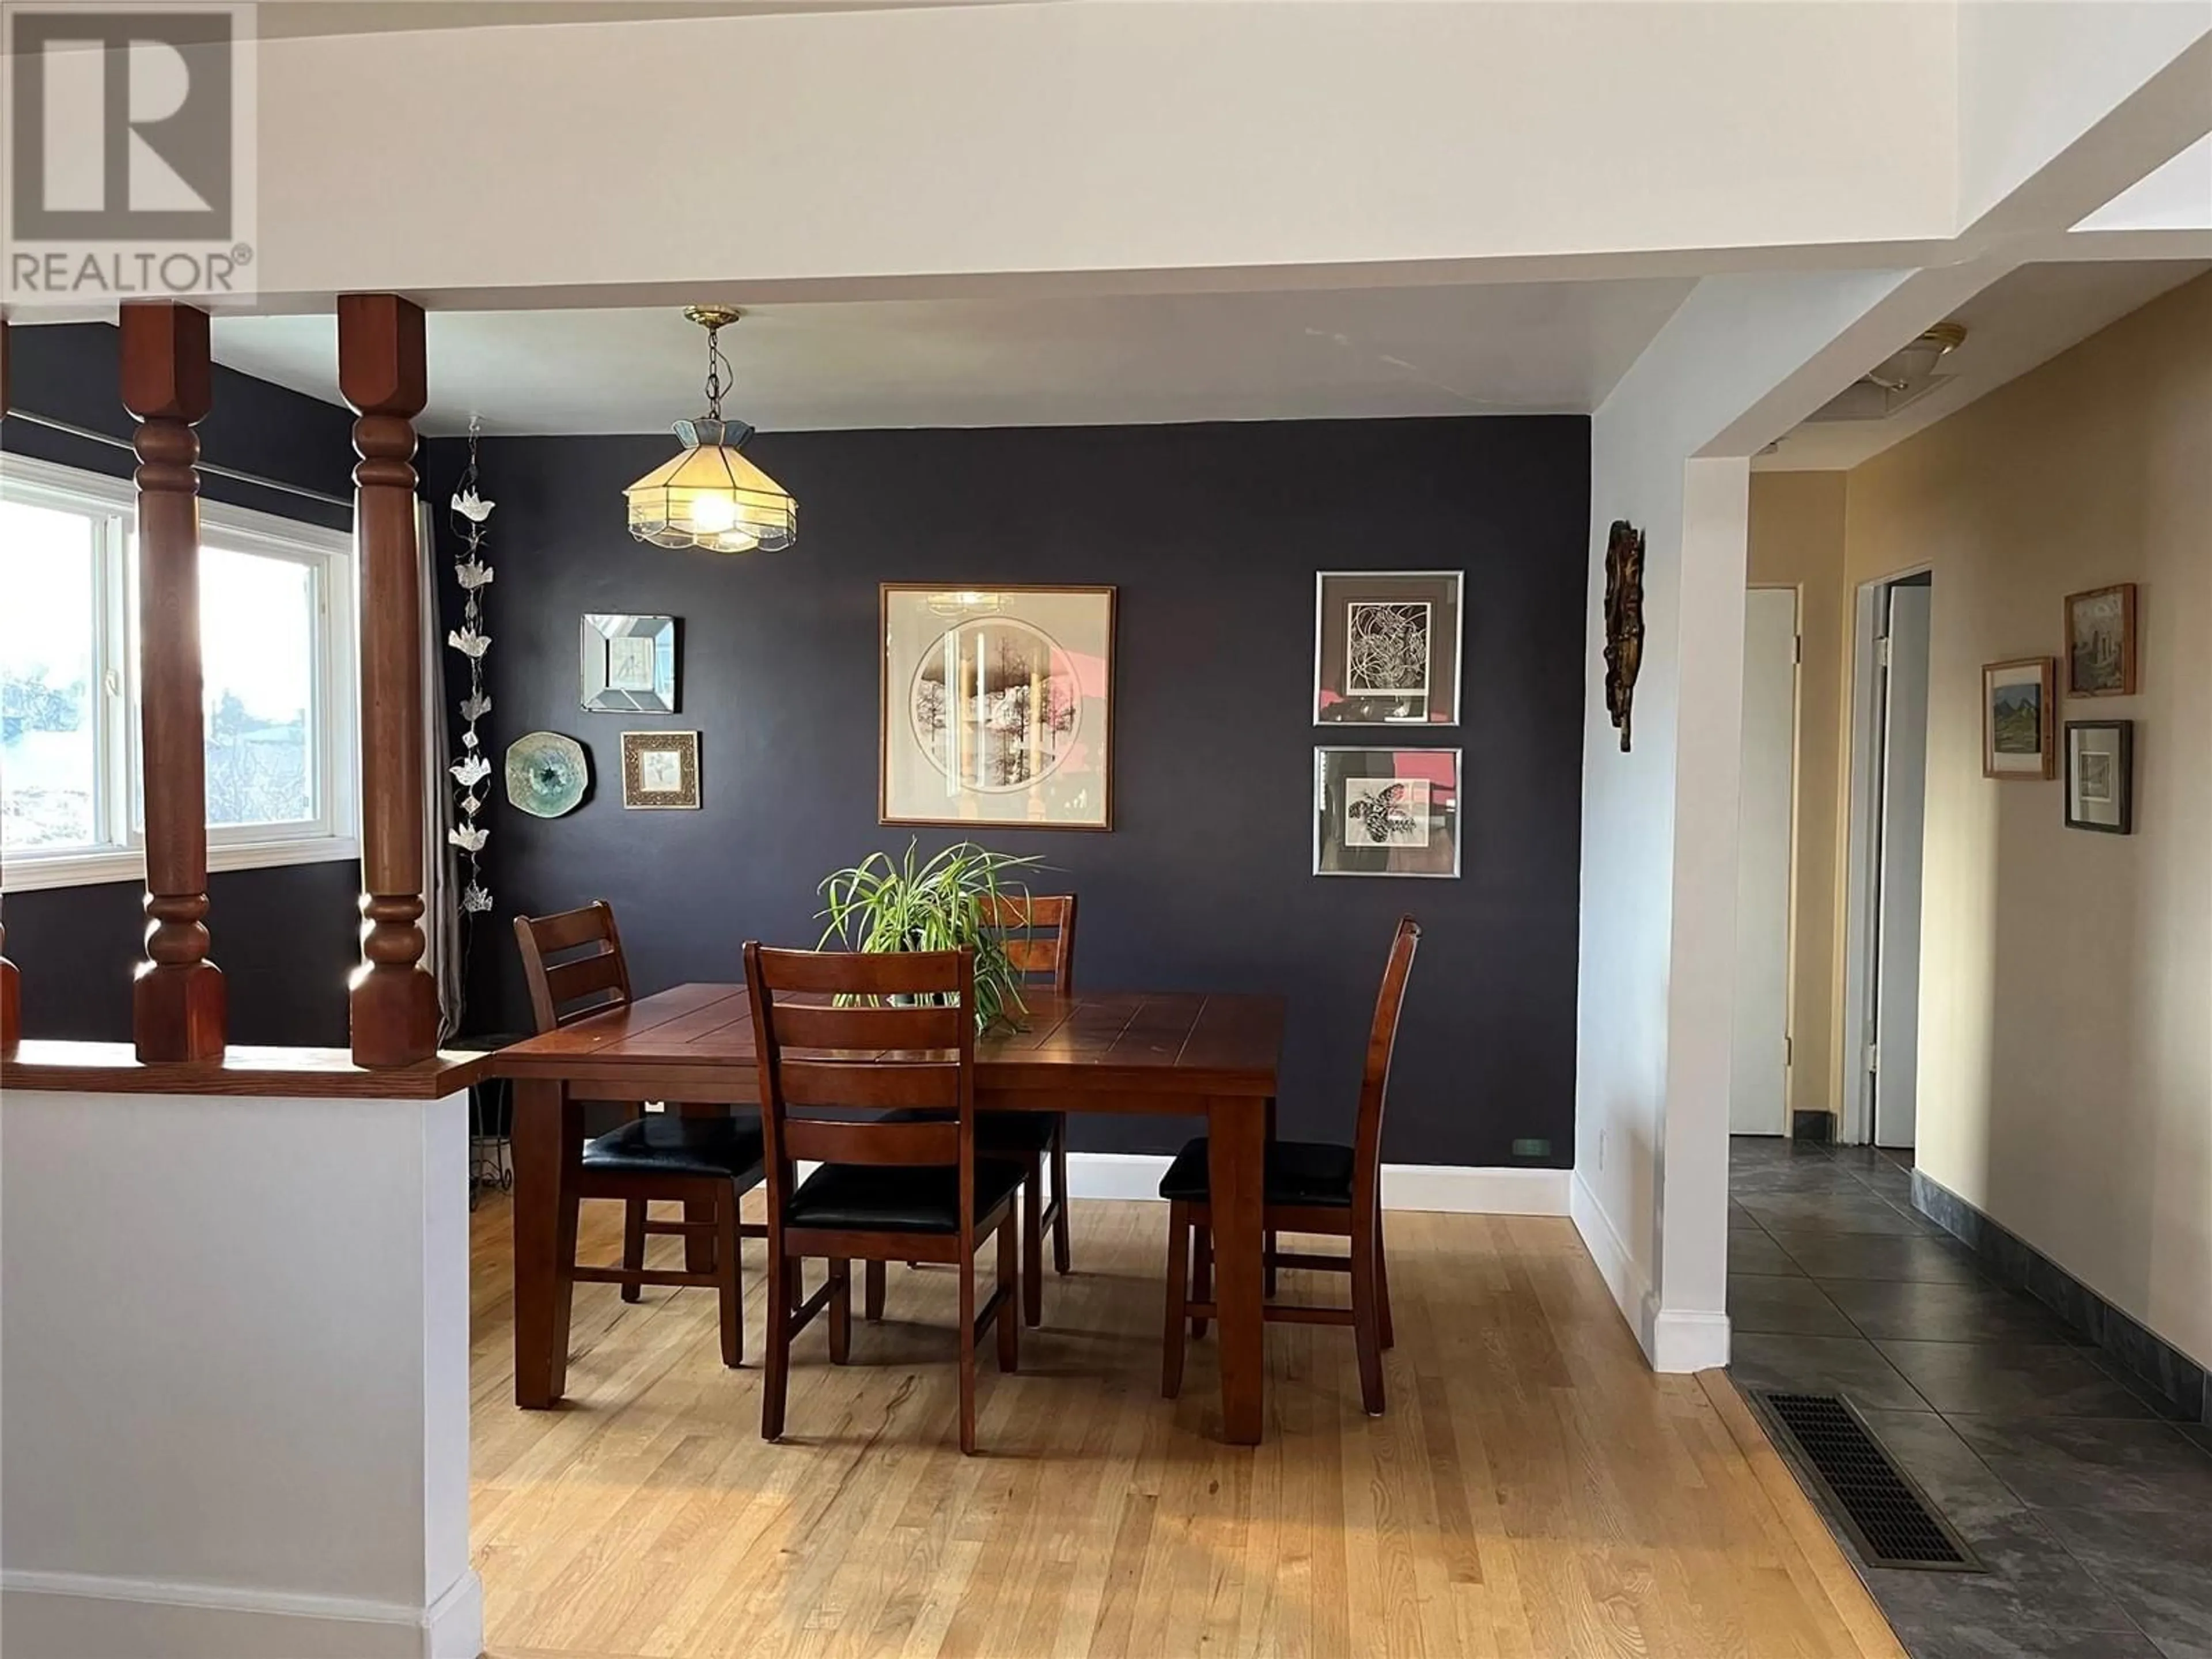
column 717, row 366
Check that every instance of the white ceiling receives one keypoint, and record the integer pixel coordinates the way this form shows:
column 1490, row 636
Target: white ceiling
column 281, row 18
column 2016, row 323
column 1501, row 348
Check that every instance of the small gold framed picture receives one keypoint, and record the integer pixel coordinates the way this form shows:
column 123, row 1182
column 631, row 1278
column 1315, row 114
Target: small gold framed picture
column 660, row 769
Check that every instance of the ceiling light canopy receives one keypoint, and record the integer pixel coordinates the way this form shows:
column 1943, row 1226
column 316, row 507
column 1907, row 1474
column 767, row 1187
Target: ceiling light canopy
column 710, row 496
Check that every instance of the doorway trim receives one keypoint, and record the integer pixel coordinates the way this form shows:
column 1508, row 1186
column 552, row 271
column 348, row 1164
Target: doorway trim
column 1855, row 1120
column 1796, row 591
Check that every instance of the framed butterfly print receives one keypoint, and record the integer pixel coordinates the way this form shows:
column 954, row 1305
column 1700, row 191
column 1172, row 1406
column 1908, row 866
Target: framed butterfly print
column 1386, row 811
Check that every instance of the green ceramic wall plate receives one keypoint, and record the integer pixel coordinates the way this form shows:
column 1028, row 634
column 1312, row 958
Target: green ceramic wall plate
column 546, row 774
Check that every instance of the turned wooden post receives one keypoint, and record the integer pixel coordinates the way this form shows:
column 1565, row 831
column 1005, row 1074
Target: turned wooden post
column 11, row 985
column 383, row 375
column 177, row 1003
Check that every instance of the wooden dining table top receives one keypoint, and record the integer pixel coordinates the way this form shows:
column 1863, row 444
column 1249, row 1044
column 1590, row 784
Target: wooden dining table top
column 1129, row 1043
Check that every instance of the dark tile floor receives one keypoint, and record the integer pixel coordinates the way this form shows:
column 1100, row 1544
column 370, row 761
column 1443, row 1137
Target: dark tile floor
column 2093, row 1513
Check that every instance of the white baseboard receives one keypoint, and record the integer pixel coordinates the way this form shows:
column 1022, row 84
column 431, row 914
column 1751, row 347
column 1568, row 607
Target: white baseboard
column 1685, row 1341
column 1616, row 1264
column 1672, row 1340
column 67, row 1615
column 1453, row 1189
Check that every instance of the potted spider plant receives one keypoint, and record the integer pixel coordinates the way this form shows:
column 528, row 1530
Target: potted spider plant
column 931, row 904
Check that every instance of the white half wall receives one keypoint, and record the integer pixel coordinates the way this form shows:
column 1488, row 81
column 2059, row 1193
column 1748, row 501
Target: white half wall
column 234, row 1378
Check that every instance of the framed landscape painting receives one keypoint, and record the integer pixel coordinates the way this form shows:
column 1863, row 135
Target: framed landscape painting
column 2100, row 642
column 1387, row 647
column 997, row 707
column 2017, row 700
column 1386, row 811
column 2101, row 776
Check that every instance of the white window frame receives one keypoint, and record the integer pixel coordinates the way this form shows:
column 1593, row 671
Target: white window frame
column 334, row 834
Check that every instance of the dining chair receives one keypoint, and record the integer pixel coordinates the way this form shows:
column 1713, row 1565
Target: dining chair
column 705, row 1163
column 888, row 1188
column 1040, row 943
column 1310, row 1187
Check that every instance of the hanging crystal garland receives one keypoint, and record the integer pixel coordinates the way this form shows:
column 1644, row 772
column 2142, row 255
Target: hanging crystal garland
column 469, row 511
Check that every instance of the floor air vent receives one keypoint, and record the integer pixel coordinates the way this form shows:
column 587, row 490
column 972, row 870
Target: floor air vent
column 1892, row 1524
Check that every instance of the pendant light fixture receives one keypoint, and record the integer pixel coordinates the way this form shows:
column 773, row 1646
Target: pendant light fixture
column 710, row 496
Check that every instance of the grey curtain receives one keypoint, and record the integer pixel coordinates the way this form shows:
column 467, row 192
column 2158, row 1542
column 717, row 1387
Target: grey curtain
column 441, row 889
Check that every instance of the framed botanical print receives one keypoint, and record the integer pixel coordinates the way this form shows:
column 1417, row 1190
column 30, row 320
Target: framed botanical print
column 2101, row 776
column 2016, row 719
column 1387, row 647
column 997, row 707
column 1386, row 811
column 660, row 769
column 626, row 665
column 2100, row 642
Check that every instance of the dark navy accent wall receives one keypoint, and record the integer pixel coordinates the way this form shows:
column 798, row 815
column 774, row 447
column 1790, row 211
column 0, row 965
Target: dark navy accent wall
column 285, row 938
column 1212, row 534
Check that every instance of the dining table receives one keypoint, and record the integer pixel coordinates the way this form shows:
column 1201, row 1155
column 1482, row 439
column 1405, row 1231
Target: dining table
column 1181, row 1055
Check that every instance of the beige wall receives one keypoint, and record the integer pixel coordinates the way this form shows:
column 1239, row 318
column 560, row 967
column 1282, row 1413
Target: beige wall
column 2066, row 976
column 1796, row 540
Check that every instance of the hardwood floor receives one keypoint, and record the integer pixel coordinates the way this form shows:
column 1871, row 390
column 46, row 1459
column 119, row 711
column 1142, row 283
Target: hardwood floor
column 1533, row 1492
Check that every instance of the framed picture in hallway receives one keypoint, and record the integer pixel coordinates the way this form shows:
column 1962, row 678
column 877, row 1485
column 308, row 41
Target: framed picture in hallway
column 1386, row 811
column 997, row 705
column 1386, row 647
column 2100, row 642
column 2100, row 785
column 2017, row 699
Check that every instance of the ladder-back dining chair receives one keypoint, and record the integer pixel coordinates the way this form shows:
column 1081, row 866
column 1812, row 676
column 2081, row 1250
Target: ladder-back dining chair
column 1310, row 1186
column 1039, row 936
column 705, row 1163
column 909, row 1188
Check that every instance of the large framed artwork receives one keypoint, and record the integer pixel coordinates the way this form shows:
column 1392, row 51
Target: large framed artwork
column 1387, row 647
column 997, row 705
column 2017, row 700
column 2100, row 784
column 1386, row 811
column 2100, row 642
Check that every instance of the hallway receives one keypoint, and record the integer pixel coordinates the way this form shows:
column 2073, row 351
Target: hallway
column 2086, row 1507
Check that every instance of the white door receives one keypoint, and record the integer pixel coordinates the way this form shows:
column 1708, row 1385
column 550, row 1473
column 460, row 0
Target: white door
column 1757, row 1097
column 1896, row 1045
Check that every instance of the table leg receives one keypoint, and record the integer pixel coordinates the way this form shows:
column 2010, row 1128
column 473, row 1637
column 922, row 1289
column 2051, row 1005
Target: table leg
column 548, row 1130
column 699, row 1247
column 1267, row 1244
column 1238, row 1127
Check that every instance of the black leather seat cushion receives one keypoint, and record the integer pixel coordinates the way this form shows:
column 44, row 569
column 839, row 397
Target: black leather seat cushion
column 903, row 1199
column 663, row 1142
column 1017, row 1134
column 1312, row 1173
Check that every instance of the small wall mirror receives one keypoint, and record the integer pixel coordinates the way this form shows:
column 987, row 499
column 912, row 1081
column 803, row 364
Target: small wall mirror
column 628, row 665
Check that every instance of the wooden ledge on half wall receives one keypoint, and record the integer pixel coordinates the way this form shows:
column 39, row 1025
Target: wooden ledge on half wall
column 113, row 1068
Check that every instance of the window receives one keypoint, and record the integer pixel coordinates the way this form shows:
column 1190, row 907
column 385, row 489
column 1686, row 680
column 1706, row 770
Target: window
column 276, row 653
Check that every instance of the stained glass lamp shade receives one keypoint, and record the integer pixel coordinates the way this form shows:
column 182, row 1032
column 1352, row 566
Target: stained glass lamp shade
column 710, row 496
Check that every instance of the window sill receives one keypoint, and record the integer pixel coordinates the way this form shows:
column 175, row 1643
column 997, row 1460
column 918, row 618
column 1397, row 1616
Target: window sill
column 24, row 874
